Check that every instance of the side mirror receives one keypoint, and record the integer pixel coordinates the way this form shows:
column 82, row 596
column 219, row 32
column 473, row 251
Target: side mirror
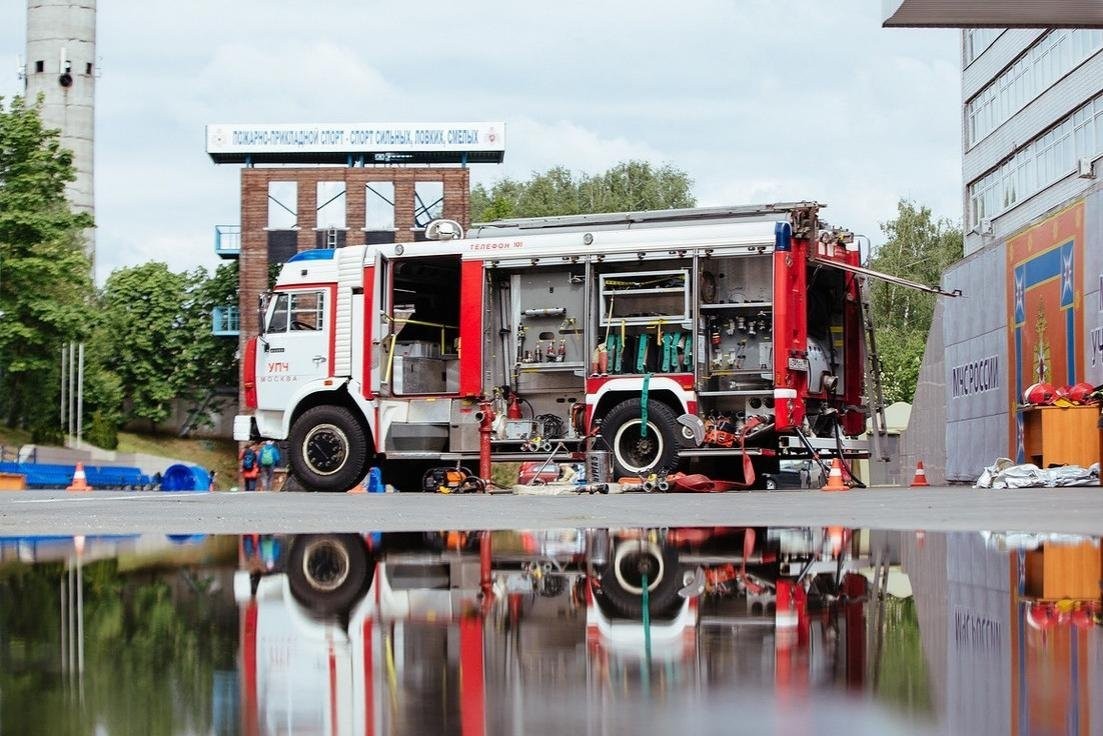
column 262, row 312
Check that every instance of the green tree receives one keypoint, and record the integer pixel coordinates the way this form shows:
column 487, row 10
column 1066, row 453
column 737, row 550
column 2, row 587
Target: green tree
column 46, row 279
column 144, row 330
column 154, row 337
column 917, row 247
column 628, row 186
column 209, row 367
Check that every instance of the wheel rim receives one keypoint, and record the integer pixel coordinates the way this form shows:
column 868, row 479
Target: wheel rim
column 325, row 565
column 632, row 560
column 638, row 454
column 325, row 449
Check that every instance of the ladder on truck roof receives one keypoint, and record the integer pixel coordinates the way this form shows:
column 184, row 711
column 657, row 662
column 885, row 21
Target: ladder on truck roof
column 645, row 218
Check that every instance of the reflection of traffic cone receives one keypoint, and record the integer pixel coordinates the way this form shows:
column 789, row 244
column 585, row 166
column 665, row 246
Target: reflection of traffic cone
column 835, row 478
column 80, row 483
column 920, row 479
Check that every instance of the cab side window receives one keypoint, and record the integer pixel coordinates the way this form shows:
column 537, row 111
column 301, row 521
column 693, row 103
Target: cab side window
column 277, row 320
column 306, row 310
column 297, row 312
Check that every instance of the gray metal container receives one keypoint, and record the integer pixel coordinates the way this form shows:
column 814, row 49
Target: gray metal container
column 599, row 468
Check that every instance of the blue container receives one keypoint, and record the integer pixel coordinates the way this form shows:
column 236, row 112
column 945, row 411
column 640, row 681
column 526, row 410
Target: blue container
column 185, row 478
column 375, row 481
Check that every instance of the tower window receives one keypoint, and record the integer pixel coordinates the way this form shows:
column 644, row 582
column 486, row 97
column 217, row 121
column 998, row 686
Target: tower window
column 88, row 68
column 40, row 66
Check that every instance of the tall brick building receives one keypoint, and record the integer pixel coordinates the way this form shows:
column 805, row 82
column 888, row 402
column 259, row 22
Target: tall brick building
column 286, row 210
column 329, row 186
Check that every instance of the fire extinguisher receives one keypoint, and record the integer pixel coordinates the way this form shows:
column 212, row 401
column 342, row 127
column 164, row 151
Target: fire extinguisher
column 513, row 411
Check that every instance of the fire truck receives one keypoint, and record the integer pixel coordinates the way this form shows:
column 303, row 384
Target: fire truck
column 724, row 337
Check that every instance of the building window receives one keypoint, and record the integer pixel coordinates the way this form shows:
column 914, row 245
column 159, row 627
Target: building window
column 977, row 41
column 331, row 205
column 428, row 202
column 379, row 210
column 1048, row 158
column 1048, row 59
column 283, row 205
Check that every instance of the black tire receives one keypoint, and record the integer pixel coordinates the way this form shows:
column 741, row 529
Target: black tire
column 638, row 456
column 328, row 449
column 621, row 580
column 328, row 573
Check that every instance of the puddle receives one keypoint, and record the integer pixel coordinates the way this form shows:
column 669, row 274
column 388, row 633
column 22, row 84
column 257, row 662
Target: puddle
column 788, row 629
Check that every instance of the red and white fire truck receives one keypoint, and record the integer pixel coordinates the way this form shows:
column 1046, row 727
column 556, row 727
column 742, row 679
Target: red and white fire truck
column 727, row 337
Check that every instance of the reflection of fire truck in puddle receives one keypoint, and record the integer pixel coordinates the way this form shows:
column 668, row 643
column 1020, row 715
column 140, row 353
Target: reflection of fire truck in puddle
column 404, row 633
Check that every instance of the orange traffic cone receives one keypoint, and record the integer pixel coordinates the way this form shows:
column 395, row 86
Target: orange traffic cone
column 80, row 483
column 920, row 479
column 358, row 488
column 835, row 478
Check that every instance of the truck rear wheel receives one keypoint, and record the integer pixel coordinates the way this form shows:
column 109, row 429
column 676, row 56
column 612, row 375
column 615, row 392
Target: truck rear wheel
column 636, row 455
column 622, row 579
column 328, row 449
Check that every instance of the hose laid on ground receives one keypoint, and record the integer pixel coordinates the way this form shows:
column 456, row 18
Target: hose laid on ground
column 842, row 461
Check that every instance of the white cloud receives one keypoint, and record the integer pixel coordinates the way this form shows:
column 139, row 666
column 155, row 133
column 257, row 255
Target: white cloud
column 757, row 100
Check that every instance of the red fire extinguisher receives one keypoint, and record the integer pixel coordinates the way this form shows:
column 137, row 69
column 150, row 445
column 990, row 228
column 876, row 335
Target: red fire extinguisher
column 513, row 411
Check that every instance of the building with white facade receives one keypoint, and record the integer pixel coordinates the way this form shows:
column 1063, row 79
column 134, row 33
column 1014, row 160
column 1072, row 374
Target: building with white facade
column 1032, row 306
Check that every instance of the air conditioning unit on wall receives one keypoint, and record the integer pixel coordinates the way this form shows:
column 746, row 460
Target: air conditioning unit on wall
column 1084, row 169
column 984, row 227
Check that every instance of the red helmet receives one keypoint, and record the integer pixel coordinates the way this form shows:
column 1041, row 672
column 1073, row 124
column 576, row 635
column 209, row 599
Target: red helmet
column 1079, row 393
column 1041, row 616
column 1040, row 394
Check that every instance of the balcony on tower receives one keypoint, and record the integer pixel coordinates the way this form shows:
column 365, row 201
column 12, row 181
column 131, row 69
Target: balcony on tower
column 225, row 321
column 227, row 241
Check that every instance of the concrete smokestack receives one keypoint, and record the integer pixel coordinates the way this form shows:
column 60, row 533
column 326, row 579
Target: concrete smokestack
column 61, row 65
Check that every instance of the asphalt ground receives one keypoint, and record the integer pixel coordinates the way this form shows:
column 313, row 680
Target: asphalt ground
column 1066, row 510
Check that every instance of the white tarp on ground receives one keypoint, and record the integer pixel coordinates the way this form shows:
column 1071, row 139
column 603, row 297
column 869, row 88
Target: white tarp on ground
column 1005, row 474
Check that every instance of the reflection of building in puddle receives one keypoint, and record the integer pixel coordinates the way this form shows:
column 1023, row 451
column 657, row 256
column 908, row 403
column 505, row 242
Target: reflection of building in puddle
column 484, row 632
column 1013, row 621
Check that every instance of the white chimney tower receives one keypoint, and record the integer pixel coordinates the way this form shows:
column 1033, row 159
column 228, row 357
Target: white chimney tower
column 61, row 65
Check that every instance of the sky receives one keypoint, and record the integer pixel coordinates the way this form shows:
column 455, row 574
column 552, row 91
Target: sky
column 757, row 100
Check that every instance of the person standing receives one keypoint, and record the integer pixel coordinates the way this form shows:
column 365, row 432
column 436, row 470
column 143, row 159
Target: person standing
column 250, row 467
column 269, row 459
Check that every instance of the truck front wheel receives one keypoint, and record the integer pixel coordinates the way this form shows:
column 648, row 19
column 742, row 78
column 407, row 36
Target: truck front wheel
column 636, row 453
column 328, row 573
column 328, row 449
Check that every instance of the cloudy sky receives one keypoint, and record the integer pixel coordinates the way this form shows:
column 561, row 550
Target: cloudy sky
column 759, row 100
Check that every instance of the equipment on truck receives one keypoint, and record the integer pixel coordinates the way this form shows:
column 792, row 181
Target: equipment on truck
column 730, row 337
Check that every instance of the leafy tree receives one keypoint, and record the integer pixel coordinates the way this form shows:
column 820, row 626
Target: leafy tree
column 143, row 329
column 209, row 362
column 920, row 248
column 46, row 276
column 213, row 358
column 154, row 337
column 628, row 186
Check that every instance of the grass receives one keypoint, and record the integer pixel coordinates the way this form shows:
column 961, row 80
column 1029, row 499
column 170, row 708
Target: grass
column 215, row 454
column 219, row 455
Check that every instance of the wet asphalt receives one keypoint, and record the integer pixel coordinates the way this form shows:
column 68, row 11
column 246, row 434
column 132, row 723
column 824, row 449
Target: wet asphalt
column 1065, row 510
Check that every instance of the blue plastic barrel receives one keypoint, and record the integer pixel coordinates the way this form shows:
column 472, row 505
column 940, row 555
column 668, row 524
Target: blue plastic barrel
column 185, row 478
